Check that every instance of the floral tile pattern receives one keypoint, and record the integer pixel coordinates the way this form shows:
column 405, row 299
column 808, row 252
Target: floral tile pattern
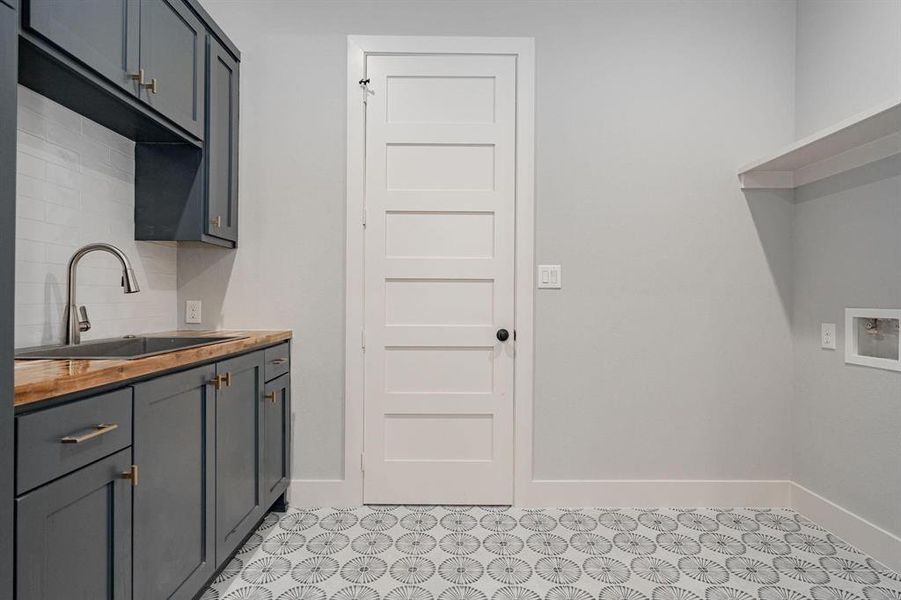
column 495, row 553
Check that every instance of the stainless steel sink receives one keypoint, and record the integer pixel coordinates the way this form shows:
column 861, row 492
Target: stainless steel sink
column 124, row 348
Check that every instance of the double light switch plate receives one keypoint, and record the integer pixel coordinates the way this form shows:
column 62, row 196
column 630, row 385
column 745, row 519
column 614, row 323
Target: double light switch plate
column 549, row 277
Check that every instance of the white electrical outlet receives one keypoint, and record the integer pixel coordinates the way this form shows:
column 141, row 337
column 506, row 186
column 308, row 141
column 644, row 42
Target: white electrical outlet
column 827, row 336
column 549, row 277
column 192, row 311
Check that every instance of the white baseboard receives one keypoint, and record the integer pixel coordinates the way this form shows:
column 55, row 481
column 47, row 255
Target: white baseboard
column 612, row 493
column 879, row 543
column 323, row 492
column 654, row 492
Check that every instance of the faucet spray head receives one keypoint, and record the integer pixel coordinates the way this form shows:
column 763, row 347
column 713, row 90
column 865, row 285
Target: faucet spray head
column 129, row 281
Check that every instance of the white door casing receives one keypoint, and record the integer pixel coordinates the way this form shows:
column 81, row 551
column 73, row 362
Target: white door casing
column 439, row 264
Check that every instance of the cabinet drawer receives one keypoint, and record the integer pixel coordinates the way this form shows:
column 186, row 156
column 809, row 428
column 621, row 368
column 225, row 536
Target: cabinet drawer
column 278, row 360
column 59, row 440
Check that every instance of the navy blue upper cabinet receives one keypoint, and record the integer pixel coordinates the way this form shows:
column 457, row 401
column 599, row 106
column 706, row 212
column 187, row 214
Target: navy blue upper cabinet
column 221, row 144
column 102, row 34
column 150, row 49
column 173, row 45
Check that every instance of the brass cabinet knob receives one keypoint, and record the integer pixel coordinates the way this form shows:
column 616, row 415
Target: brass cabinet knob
column 139, row 77
column 216, row 222
column 271, row 396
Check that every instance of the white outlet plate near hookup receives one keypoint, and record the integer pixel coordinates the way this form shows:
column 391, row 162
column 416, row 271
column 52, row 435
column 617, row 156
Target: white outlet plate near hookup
column 827, row 336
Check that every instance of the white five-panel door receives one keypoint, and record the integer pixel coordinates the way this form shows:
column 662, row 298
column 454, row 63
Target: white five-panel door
column 439, row 279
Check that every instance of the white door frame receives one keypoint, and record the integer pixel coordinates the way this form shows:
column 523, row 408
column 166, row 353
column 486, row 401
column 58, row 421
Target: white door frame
column 358, row 47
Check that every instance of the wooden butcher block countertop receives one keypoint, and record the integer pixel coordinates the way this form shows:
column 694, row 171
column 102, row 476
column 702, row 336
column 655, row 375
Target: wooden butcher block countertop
column 38, row 380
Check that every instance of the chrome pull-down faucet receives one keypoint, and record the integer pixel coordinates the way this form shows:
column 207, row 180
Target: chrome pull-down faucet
column 77, row 318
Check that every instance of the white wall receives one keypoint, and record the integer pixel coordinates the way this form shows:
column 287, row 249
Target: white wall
column 668, row 352
column 848, row 59
column 75, row 185
column 847, row 253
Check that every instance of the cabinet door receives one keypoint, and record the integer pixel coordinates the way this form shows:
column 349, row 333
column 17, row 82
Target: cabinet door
column 276, row 438
column 239, row 425
column 174, row 505
column 103, row 34
column 173, row 42
column 73, row 537
column 222, row 144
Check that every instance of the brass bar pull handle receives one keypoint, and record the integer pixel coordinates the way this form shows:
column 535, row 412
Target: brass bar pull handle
column 279, row 361
column 220, row 381
column 139, row 77
column 152, row 86
column 97, row 432
column 131, row 474
column 216, row 222
column 271, row 396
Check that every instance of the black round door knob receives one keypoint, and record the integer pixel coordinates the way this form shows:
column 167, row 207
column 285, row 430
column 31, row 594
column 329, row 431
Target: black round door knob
column 503, row 335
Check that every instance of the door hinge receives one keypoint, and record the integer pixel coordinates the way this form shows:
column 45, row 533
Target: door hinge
column 364, row 216
column 363, row 339
column 363, row 462
column 131, row 474
column 364, row 85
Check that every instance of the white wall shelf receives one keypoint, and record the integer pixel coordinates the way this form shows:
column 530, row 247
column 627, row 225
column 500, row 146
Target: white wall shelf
column 864, row 138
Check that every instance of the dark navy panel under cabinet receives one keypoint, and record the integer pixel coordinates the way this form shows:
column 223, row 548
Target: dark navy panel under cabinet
column 174, row 552
column 239, row 427
column 276, row 438
column 102, row 34
column 222, row 143
column 173, row 47
column 73, row 536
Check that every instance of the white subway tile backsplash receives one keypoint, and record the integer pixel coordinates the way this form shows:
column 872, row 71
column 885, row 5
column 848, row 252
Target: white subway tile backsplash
column 30, row 166
column 29, row 251
column 56, row 254
column 75, row 185
column 64, row 136
column 99, row 133
column 30, row 208
column 31, row 122
column 48, row 108
column 62, row 215
column 40, row 148
column 63, row 176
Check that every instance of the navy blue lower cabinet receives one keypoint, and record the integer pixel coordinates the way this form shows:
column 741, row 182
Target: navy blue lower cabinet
column 276, row 438
column 146, row 491
column 73, row 536
column 239, row 430
column 174, row 552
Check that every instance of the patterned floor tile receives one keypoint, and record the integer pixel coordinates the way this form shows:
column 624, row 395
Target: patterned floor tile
column 491, row 553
